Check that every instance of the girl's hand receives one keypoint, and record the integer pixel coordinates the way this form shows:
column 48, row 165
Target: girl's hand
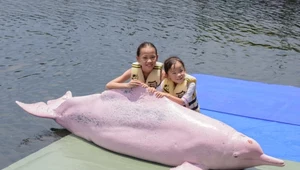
column 134, row 83
column 144, row 85
column 159, row 94
column 151, row 90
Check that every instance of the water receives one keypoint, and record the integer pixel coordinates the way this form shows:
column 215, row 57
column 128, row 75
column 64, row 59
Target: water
column 49, row 47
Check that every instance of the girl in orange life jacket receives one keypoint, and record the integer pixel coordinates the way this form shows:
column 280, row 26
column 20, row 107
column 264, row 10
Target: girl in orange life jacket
column 146, row 72
column 178, row 86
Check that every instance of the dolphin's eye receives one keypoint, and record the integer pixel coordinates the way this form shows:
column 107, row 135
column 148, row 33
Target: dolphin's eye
column 250, row 141
column 235, row 155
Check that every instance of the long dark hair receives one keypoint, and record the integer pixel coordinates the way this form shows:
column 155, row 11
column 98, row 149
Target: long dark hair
column 144, row 44
column 169, row 62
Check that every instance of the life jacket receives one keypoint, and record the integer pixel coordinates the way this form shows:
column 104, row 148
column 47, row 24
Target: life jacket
column 179, row 90
column 153, row 79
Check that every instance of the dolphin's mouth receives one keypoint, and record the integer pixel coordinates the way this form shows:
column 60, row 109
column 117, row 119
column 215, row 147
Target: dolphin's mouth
column 265, row 160
column 269, row 160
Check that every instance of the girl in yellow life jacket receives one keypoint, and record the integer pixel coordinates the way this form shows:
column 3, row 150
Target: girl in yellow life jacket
column 178, row 86
column 146, row 72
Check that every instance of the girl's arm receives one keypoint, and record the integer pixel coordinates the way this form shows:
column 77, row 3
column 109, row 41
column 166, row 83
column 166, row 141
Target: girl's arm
column 120, row 82
column 159, row 93
column 186, row 98
column 174, row 98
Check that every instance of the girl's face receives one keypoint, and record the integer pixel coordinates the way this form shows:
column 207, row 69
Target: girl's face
column 147, row 58
column 176, row 73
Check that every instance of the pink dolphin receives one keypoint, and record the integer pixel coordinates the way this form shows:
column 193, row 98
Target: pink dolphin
column 135, row 123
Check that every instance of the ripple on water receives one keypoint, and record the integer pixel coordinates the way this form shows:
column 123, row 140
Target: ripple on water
column 49, row 47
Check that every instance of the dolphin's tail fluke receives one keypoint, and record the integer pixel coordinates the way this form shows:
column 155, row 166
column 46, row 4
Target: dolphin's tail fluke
column 269, row 160
column 44, row 110
column 53, row 104
column 39, row 109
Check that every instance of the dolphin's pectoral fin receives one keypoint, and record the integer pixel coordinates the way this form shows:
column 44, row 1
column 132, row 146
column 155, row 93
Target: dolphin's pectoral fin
column 188, row 166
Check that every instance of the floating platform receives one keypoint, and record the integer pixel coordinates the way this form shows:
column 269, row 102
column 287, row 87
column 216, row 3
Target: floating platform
column 268, row 113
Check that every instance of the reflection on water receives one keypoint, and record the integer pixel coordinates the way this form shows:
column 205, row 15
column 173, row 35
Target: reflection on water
column 43, row 135
column 49, row 47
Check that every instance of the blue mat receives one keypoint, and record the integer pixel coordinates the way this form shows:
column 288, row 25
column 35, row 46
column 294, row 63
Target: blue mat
column 276, row 139
column 249, row 99
column 267, row 113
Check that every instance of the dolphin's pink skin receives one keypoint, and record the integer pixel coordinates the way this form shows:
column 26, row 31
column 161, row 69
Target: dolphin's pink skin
column 136, row 123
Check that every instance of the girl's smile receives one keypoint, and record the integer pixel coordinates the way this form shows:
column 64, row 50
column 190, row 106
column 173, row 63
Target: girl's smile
column 177, row 73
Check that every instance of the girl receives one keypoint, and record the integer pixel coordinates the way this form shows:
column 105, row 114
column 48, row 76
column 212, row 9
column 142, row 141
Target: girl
column 178, row 86
column 146, row 72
